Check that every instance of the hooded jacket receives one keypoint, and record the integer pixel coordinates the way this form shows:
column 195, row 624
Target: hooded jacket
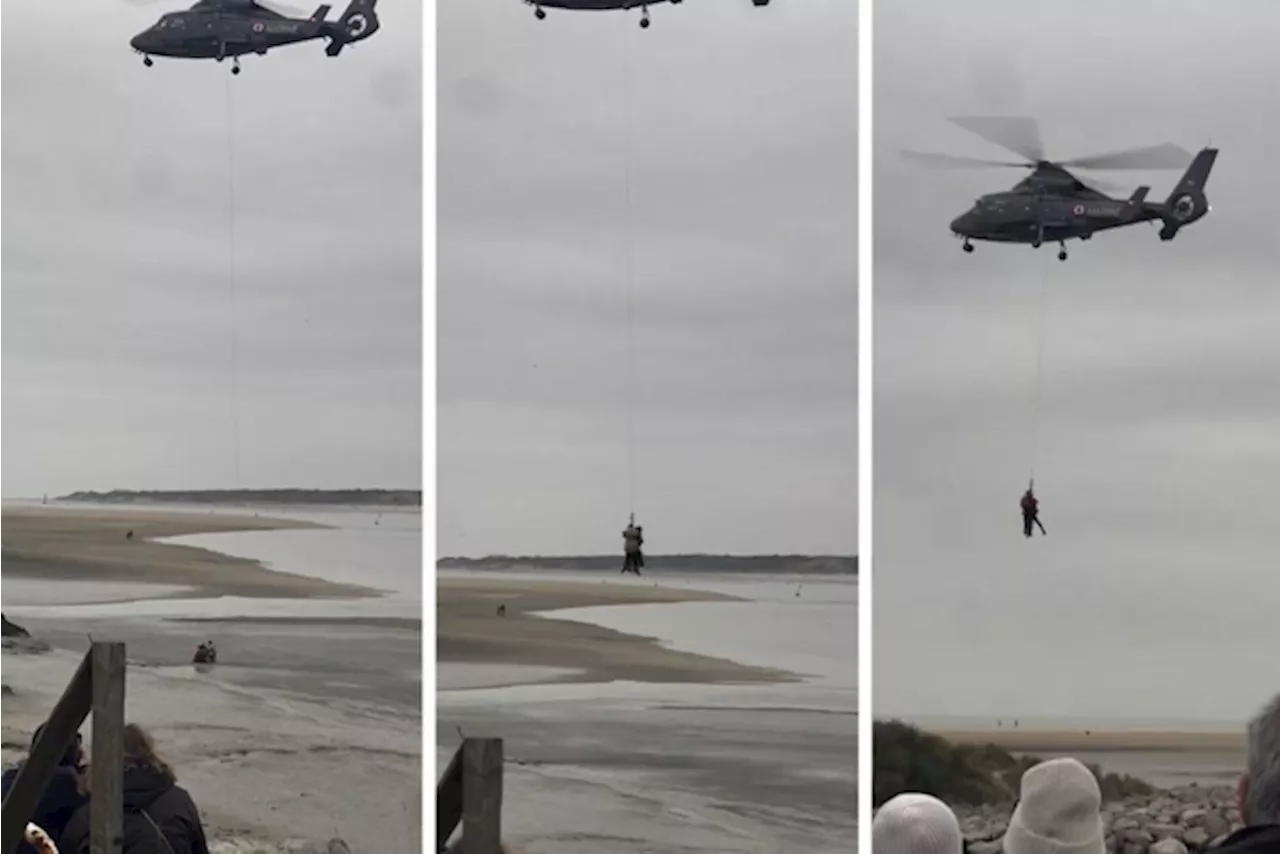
column 1262, row 839
column 57, row 805
column 159, row 818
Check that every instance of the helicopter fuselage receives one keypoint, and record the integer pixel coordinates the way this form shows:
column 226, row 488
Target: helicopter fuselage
column 211, row 35
column 1028, row 217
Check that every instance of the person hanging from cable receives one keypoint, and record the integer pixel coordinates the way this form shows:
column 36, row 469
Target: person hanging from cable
column 1031, row 512
column 632, row 539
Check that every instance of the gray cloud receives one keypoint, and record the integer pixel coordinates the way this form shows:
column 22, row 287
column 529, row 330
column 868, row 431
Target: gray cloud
column 1158, row 434
column 127, row 346
column 741, row 125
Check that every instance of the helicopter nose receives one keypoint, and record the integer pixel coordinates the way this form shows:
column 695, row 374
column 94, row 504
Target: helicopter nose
column 960, row 224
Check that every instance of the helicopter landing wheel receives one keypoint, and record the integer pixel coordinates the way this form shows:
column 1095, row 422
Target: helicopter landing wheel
column 644, row 22
column 968, row 247
column 148, row 61
column 1062, row 254
column 235, row 69
column 540, row 14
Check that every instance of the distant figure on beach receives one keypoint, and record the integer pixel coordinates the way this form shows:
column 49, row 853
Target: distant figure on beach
column 1030, row 513
column 159, row 815
column 633, row 540
column 128, row 535
column 914, row 823
column 1059, row 809
column 206, row 653
column 1259, row 787
column 61, row 798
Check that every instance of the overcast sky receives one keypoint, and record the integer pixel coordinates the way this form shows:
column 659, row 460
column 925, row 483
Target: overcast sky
column 1159, row 436
column 742, row 126
column 119, row 363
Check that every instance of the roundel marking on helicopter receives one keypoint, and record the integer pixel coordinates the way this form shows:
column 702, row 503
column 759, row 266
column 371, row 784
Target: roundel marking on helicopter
column 1184, row 207
column 258, row 27
column 1078, row 210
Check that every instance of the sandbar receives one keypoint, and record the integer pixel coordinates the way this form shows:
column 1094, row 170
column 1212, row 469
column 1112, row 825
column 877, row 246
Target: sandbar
column 470, row 630
column 1111, row 741
column 92, row 545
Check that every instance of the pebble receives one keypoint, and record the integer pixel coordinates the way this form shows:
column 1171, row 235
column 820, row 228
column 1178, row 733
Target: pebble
column 1187, row 820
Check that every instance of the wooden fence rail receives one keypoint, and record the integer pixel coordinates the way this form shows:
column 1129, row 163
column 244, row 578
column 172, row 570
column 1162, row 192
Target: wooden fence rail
column 470, row 794
column 97, row 687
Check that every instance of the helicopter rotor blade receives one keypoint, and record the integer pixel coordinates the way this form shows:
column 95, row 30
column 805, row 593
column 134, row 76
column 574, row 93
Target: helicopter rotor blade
column 1164, row 156
column 952, row 161
column 1018, row 134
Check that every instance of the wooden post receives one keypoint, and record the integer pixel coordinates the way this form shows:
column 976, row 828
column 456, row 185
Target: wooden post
column 482, row 796
column 37, row 772
column 449, row 801
column 106, row 772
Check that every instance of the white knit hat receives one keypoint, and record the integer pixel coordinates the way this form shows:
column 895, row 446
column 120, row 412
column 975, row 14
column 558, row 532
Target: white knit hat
column 1059, row 811
column 912, row 823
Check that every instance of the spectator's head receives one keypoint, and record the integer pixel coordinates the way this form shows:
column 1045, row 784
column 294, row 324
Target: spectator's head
column 140, row 751
column 913, row 823
column 73, row 753
column 1059, row 811
column 1260, row 785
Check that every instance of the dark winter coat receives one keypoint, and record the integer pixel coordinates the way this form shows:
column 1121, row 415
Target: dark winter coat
column 1263, row 839
column 57, row 805
column 159, row 818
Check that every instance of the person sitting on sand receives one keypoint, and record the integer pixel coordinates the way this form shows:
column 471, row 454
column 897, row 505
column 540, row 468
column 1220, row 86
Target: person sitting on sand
column 1059, row 810
column 914, row 823
column 1030, row 513
column 61, row 798
column 202, row 654
column 633, row 539
column 1259, row 788
column 159, row 815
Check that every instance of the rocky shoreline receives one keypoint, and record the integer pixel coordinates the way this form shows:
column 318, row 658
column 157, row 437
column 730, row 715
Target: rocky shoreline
column 1185, row 820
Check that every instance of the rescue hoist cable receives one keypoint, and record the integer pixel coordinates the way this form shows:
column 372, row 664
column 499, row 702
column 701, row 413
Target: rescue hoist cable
column 1037, row 389
column 628, row 268
column 232, row 286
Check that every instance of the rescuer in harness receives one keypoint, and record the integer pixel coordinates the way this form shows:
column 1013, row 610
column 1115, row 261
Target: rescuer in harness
column 1031, row 513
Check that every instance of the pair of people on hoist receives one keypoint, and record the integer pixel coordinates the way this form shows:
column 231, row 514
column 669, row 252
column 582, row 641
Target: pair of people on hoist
column 1031, row 512
column 632, row 540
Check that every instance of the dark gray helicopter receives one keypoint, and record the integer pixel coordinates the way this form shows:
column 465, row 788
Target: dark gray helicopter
column 1052, row 204
column 217, row 29
column 602, row 5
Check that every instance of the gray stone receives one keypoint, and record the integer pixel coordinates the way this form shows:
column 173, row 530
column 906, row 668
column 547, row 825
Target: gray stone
column 1216, row 824
column 1197, row 837
column 1168, row 846
column 1160, row 830
column 992, row 847
column 1139, row 836
column 1193, row 816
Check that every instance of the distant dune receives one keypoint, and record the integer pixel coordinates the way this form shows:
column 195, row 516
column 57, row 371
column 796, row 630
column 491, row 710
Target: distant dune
column 344, row 497
column 683, row 563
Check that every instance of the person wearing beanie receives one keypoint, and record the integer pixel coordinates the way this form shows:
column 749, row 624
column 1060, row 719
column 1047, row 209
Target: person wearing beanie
column 1059, row 811
column 914, row 823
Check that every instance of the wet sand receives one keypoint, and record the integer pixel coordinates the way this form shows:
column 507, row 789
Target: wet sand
column 76, row 544
column 1162, row 757
column 470, row 631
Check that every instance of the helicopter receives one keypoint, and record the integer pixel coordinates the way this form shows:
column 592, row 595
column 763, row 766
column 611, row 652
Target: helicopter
column 603, row 5
column 1052, row 204
column 217, row 29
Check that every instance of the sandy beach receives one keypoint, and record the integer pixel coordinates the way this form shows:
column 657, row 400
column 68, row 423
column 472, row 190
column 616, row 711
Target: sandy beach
column 469, row 630
column 620, row 741
column 307, row 728
column 86, row 544
column 1161, row 756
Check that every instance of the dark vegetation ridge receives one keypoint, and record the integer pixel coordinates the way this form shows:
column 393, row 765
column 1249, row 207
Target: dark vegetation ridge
column 907, row 759
column 346, row 497
column 686, row 563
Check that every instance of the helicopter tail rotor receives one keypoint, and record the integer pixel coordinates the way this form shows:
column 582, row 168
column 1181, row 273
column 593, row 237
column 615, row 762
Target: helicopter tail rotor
column 357, row 23
column 1188, row 203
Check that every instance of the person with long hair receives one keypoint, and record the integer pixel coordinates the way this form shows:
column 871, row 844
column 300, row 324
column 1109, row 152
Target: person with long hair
column 159, row 815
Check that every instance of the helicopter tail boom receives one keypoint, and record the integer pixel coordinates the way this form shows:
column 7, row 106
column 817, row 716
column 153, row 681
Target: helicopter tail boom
column 321, row 13
column 1188, row 203
column 357, row 23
